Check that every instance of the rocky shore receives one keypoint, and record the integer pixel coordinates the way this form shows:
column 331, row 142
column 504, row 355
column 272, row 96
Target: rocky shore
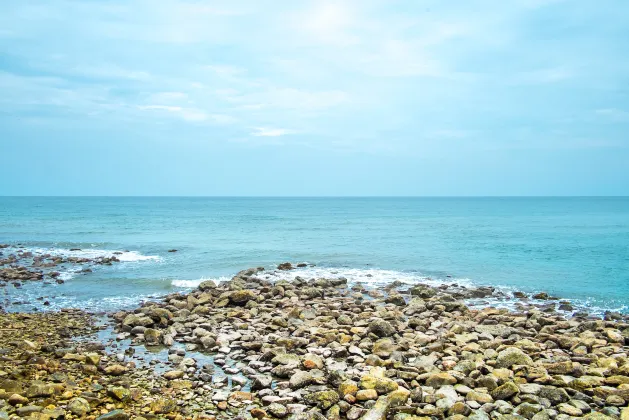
column 319, row 349
column 18, row 264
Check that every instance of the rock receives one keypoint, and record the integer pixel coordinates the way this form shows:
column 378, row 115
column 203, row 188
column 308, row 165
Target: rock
column 322, row 399
column 381, row 384
column 366, row 395
column 285, row 266
column 383, row 347
column 240, row 297
column 207, row 285
column 79, row 406
column 478, row 415
column 133, row 320
column 479, row 397
column 312, row 361
column 114, row 415
column 301, row 379
column 495, row 330
column 29, row 410
column 438, row 379
column 569, row 410
column 506, row 391
column 173, row 374
column 277, row 410
column 153, row 336
column 163, row 406
column 119, row 393
column 555, row 395
column 261, row 382
column 383, row 404
column 381, row 328
column 349, row 387
column 40, row 390
column 11, row 386
column 16, row 399
column 257, row 413
column 597, row 416
column 423, row 291
column 115, row 370
column 512, row 356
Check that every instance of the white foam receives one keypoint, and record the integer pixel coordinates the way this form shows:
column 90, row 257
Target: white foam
column 191, row 284
column 370, row 276
column 126, row 256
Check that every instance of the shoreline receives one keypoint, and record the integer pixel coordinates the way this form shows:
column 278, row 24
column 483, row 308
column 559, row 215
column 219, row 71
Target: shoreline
column 25, row 267
column 326, row 349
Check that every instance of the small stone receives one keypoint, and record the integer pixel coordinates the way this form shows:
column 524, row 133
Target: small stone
column 119, row 393
column 114, row 415
column 115, row 370
column 163, row 406
column 506, row 391
column 366, row 395
column 438, row 379
column 173, row 374
column 16, row 399
column 512, row 356
column 277, row 410
column 381, row 328
column 79, row 406
column 322, row 399
column 257, row 413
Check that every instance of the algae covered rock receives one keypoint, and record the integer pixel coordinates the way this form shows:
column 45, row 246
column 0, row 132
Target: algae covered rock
column 240, row 297
column 381, row 328
column 322, row 399
column 79, row 406
column 512, row 356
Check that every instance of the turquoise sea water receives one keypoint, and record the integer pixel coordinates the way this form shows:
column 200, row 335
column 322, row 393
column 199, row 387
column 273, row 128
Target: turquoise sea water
column 576, row 248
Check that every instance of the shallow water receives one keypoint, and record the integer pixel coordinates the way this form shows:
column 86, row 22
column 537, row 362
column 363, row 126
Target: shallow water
column 576, row 248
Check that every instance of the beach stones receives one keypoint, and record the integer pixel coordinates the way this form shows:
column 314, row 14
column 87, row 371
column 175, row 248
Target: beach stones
column 79, row 407
column 512, row 356
column 315, row 348
column 381, row 328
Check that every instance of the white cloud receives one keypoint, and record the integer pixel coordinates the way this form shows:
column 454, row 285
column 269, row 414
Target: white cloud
column 544, row 76
column 271, row 132
column 191, row 114
column 614, row 114
column 329, row 22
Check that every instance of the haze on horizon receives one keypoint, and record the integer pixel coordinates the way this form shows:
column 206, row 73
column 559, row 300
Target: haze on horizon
column 317, row 97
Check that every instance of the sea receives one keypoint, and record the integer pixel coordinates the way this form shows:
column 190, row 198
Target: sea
column 576, row 248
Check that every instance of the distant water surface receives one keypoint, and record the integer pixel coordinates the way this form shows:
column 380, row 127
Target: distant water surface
column 576, row 248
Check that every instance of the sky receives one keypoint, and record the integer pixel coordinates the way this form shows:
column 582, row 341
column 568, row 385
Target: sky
column 314, row 97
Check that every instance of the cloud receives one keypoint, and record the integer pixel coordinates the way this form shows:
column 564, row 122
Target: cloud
column 545, row 76
column 271, row 132
column 333, row 71
column 613, row 114
column 190, row 114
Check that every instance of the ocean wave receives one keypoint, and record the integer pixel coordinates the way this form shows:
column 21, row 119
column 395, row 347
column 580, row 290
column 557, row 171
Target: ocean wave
column 191, row 284
column 368, row 276
column 502, row 298
column 123, row 256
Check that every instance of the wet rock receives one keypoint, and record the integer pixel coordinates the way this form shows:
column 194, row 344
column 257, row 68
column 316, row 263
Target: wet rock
column 79, row 406
column 512, row 356
column 322, row 399
column 114, row 415
column 381, row 328
column 505, row 392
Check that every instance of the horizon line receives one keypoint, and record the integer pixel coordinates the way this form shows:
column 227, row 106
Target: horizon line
column 314, row 196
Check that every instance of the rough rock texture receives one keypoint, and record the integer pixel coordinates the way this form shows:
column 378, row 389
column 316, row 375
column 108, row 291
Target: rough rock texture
column 320, row 349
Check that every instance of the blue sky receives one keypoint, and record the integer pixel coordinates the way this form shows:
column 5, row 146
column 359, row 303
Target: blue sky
column 345, row 97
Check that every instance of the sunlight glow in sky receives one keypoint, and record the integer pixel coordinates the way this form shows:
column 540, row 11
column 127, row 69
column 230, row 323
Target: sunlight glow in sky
column 314, row 97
